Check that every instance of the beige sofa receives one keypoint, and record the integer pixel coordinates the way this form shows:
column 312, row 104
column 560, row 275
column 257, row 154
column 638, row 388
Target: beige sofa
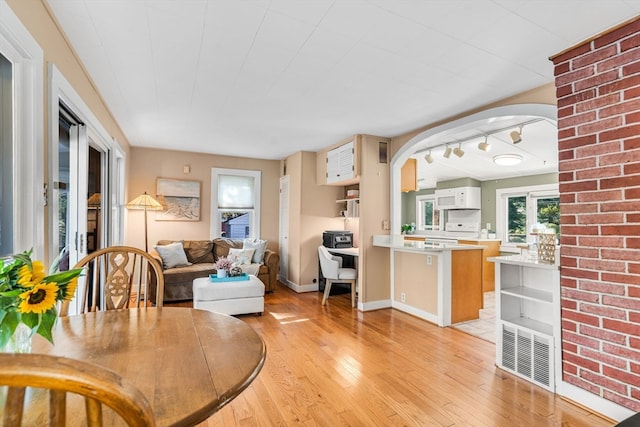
column 178, row 281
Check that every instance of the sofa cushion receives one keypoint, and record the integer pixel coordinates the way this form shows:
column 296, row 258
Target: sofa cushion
column 240, row 256
column 199, row 251
column 188, row 273
column 260, row 247
column 172, row 255
column 222, row 245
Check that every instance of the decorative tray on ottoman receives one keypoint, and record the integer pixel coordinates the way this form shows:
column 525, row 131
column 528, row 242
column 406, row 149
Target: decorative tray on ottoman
column 215, row 278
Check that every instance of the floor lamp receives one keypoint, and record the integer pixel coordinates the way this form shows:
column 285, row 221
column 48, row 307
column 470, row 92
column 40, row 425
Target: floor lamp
column 147, row 203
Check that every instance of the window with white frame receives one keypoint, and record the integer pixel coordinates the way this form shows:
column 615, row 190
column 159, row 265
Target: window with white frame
column 235, row 210
column 518, row 209
column 427, row 216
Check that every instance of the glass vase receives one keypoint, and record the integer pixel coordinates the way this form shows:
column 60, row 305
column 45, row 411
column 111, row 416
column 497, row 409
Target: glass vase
column 20, row 341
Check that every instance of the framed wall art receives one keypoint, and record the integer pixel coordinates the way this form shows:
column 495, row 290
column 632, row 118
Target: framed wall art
column 180, row 199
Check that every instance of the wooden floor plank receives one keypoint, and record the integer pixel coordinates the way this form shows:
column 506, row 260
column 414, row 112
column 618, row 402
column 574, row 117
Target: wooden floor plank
column 335, row 366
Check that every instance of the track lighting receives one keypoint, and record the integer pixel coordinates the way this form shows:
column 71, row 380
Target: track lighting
column 458, row 151
column 447, row 152
column 484, row 146
column 428, row 157
column 507, row 159
column 516, row 135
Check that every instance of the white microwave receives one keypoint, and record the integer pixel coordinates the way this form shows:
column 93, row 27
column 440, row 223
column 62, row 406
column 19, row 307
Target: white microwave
column 458, row 198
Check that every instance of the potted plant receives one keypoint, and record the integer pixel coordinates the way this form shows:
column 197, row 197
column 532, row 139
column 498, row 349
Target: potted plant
column 222, row 265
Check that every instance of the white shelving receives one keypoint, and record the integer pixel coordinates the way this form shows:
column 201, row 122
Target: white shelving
column 352, row 207
column 528, row 319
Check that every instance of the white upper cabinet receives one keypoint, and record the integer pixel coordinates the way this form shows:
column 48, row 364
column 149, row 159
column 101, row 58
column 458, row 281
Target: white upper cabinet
column 340, row 163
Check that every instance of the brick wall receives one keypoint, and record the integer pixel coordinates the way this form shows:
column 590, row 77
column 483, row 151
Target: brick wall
column 598, row 90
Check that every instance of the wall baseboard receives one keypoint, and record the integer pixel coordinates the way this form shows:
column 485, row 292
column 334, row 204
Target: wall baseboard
column 592, row 402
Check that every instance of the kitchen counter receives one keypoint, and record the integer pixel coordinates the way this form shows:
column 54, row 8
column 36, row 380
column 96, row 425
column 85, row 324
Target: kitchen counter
column 523, row 261
column 438, row 281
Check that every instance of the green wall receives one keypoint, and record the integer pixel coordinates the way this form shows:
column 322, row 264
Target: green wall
column 488, row 189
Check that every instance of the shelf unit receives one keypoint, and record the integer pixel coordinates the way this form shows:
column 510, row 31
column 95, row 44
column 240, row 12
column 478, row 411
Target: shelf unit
column 528, row 319
column 352, row 207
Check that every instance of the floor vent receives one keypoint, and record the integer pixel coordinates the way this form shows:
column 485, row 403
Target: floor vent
column 528, row 355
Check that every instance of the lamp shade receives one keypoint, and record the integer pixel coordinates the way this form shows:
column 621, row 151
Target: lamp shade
column 507, row 159
column 146, row 202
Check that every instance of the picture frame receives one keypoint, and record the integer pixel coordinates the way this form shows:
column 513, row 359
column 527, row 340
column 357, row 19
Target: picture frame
column 179, row 198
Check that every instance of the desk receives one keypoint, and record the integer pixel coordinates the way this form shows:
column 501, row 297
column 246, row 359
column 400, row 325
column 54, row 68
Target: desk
column 345, row 251
column 188, row 363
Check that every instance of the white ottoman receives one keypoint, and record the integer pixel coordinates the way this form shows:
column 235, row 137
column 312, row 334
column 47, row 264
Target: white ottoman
column 233, row 297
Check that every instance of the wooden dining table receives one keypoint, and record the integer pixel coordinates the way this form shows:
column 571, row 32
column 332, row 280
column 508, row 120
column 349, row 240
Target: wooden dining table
column 187, row 362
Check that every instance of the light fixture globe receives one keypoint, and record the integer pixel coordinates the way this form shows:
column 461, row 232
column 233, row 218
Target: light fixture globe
column 507, row 159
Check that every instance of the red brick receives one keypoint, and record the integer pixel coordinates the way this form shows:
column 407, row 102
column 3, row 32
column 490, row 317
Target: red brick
column 633, row 217
column 617, row 61
column 603, row 358
column 620, row 109
column 603, row 381
column 634, row 343
column 619, row 133
column 621, row 351
column 580, row 318
column 634, row 317
column 567, row 240
column 567, row 219
column 600, row 196
column 632, row 168
column 581, row 361
column 579, row 274
column 581, row 185
column 622, row 302
column 631, row 69
column 576, row 98
column 566, row 112
column 620, row 182
column 634, row 405
column 567, row 198
column 569, row 326
column 602, row 241
column 633, row 243
column 565, row 56
column 570, row 347
column 566, row 133
column 582, row 384
column 561, row 68
column 622, row 327
column 605, row 288
column 581, row 341
column 601, row 125
column 566, row 282
column 569, row 304
column 584, row 252
column 598, row 149
column 595, row 56
column 580, row 230
column 566, row 155
column 634, row 291
column 634, row 269
column 632, row 193
column 570, row 368
column 577, row 119
column 623, row 376
column 599, row 102
column 596, row 80
column 634, row 367
column 602, row 218
column 621, row 278
column 579, row 296
column 574, row 76
column 620, row 230
column 602, row 172
column 631, row 144
column 601, row 310
column 600, row 265
column 578, row 208
column 620, row 254
column 619, row 85
column 619, row 206
column 630, row 43
column 609, row 336
column 568, row 261
column 631, row 93
column 632, row 118
column 579, row 141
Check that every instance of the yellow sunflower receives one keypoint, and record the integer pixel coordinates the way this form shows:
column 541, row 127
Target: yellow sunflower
column 31, row 276
column 38, row 299
column 71, row 289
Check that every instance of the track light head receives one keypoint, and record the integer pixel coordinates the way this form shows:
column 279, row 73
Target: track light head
column 484, row 145
column 458, row 151
column 516, row 135
column 447, row 152
column 428, row 157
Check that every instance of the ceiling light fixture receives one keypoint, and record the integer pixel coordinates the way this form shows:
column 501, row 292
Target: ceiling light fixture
column 516, row 135
column 458, row 151
column 447, row 152
column 484, row 145
column 428, row 157
column 507, row 159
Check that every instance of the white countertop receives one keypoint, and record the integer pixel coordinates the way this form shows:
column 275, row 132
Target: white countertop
column 398, row 243
column 520, row 260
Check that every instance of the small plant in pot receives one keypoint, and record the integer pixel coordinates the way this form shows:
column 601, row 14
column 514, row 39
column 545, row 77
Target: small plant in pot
column 222, row 265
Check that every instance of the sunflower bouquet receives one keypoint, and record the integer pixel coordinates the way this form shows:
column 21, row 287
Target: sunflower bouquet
column 29, row 296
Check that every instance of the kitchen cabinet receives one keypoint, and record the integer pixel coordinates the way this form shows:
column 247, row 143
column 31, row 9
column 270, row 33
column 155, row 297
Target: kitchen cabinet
column 341, row 164
column 528, row 319
column 492, row 249
column 409, row 176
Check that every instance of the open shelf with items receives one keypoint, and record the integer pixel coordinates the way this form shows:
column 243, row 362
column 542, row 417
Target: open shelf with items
column 528, row 319
column 352, row 207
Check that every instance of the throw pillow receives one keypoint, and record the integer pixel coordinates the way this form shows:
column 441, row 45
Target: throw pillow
column 260, row 247
column 240, row 256
column 199, row 251
column 172, row 255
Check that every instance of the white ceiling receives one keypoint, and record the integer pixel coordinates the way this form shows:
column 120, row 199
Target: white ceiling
column 267, row 78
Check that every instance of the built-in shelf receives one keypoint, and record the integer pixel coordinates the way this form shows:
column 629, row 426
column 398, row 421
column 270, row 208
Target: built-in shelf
column 529, row 293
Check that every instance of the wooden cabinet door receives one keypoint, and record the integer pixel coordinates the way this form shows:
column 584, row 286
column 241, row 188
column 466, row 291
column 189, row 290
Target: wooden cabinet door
column 409, row 176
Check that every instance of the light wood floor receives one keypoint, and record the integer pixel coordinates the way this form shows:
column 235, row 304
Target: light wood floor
column 335, row 366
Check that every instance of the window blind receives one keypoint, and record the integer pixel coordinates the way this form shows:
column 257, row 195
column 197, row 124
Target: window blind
column 235, row 192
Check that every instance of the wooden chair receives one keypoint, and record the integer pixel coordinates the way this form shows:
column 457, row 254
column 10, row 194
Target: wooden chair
column 62, row 377
column 334, row 273
column 118, row 277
